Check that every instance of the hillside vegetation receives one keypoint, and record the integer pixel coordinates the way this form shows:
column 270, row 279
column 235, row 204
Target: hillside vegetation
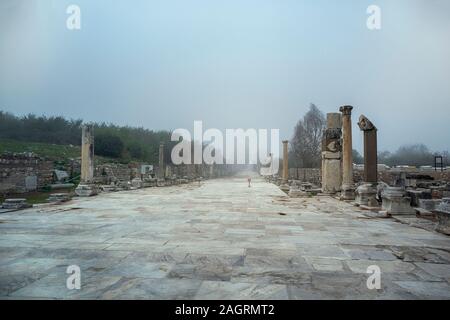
column 57, row 137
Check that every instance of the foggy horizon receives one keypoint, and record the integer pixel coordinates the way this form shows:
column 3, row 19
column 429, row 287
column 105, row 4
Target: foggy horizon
column 258, row 64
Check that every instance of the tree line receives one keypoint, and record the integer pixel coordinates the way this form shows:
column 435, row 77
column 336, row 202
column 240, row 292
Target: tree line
column 120, row 142
column 127, row 143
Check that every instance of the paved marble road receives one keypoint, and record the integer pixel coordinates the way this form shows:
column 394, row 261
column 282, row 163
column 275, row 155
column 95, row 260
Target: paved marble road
column 217, row 240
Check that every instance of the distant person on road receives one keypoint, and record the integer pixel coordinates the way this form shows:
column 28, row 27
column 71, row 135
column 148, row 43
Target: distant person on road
column 249, row 181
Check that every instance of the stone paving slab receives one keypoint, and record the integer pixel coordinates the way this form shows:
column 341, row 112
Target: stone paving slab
column 216, row 240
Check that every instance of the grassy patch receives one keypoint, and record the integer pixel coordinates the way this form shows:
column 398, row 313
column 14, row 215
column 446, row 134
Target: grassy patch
column 32, row 198
column 50, row 151
column 35, row 197
column 54, row 152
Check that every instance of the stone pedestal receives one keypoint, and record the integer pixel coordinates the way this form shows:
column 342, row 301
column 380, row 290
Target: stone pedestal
column 366, row 195
column 443, row 214
column 137, row 183
column 331, row 154
column 395, row 201
column 16, row 204
column 299, row 190
column 86, row 190
column 348, row 192
column 429, row 204
column 285, row 188
column 296, row 192
column 58, row 197
column 417, row 195
column 108, row 188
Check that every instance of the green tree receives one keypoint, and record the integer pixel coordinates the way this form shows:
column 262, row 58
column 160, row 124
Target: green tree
column 108, row 146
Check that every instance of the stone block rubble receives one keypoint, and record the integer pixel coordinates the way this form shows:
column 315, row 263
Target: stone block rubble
column 417, row 195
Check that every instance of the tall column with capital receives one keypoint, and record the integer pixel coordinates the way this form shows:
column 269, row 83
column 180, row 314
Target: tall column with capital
column 348, row 188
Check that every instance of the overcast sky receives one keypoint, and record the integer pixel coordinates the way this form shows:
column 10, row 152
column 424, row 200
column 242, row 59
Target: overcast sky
column 231, row 63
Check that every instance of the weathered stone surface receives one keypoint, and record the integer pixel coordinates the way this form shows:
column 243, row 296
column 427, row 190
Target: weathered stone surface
column 429, row 204
column 86, row 190
column 395, row 201
column 331, row 154
column 417, row 195
column 366, row 195
column 59, row 197
column 219, row 239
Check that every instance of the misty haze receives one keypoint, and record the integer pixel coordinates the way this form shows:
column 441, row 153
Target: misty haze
column 224, row 150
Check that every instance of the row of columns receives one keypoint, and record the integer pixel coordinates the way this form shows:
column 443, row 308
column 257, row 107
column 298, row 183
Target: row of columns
column 337, row 158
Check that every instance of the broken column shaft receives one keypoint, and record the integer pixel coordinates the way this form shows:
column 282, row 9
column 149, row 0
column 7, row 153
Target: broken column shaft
column 366, row 193
column 87, row 154
column 331, row 154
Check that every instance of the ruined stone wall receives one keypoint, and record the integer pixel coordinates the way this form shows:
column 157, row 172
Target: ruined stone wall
column 389, row 176
column 312, row 175
column 18, row 172
column 113, row 172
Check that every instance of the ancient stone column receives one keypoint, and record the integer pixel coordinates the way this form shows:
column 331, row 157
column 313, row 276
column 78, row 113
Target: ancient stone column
column 87, row 154
column 331, row 154
column 87, row 188
column 348, row 188
column 161, row 172
column 285, row 161
column 370, row 150
column 366, row 193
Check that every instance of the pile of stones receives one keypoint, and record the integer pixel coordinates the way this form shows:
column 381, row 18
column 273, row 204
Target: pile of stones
column 58, row 197
column 16, row 204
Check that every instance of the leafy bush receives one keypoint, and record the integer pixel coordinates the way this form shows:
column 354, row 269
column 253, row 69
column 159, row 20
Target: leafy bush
column 108, row 146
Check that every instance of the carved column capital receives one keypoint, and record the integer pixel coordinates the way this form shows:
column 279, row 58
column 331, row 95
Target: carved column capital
column 346, row 110
column 365, row 124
